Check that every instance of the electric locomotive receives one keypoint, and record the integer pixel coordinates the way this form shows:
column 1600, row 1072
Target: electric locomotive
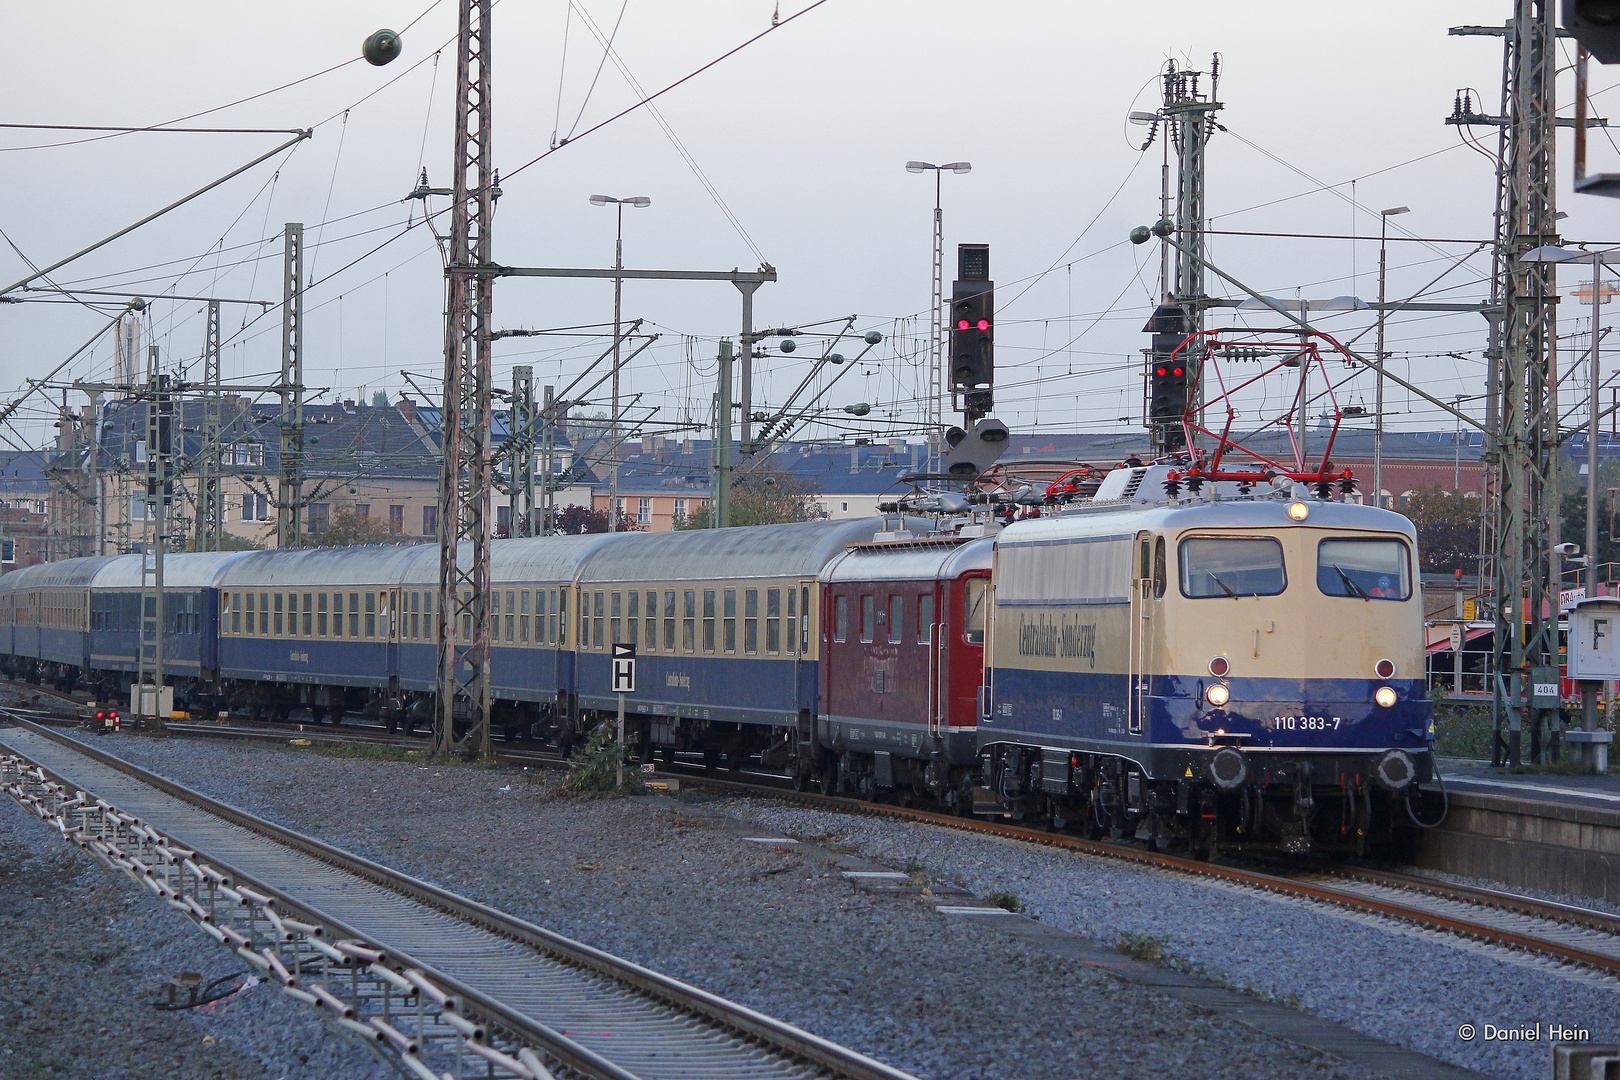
column 1213, row 672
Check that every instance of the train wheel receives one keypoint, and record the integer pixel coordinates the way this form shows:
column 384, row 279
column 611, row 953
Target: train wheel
column 801, row 780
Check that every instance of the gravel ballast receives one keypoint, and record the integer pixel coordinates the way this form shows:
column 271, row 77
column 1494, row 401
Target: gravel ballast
column 1410, row 987
column 771, row 927
column 83, row 955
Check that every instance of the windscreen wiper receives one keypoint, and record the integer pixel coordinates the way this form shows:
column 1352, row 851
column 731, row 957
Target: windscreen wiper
column 1225, row 588
column 1349, row 583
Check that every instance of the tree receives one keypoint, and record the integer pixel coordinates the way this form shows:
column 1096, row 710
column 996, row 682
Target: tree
column 1448, row 530
column 582, row 519
column 764, row 498
column 346, row 529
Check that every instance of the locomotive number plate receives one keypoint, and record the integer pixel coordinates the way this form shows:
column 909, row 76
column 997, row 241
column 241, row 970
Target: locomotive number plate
column 1306, row 723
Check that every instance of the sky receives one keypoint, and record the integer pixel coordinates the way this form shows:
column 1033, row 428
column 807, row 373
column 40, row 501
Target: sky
column 790, row 152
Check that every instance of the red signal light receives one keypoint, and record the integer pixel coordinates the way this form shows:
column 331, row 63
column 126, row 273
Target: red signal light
column 962, row 324
column 1177, row 371
column 1160, row 371
column 984, row 324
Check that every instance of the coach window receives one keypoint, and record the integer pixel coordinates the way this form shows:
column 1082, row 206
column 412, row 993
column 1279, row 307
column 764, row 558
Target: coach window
column 708, row 620
column 632, row 618
column 523, row 617
column 652, row 621
column 804, row 619
column 561, row 608
column 841, row 618
column 337, row 614
column 773, row 621
column 792, row 620
column 292, row 614
column 1159, row 575
column 236, row 612
column 974, row 596
column 731, row 620
column 599, row 628
column 669, row 620
column 309, row 616
column 264, row 614
column 897, row 619
column 278, row 615
column 1231, row 566
column 354, row 614
column 551, row 618
column 252, row 612
column 751, row 621
column 925, row 618
column 371, row 614
column 511, row 619
column 615, row 617
column 413, row 629
column 320, row 616
column 429, row 631
column 868, row 618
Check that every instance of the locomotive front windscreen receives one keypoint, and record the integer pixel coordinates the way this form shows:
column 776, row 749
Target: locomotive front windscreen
column 1365, row 568
column 1227, row 566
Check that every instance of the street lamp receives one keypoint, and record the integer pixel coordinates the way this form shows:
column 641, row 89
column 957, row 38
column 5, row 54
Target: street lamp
column 936, row 376
column 1378, row 393
column 618, row 290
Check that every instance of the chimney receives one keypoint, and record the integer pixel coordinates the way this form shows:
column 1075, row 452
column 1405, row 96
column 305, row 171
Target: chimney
column 407, row 408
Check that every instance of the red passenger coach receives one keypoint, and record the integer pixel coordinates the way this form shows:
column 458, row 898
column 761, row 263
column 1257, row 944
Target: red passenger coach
column 903, row 624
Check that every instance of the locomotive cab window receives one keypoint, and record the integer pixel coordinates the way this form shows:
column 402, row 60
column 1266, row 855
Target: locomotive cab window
column 1365, row 569
column 1158, row 569
column 1231, row 566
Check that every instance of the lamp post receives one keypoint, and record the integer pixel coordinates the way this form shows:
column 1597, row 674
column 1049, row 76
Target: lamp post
column 618, row 290
column 936, row 375
column 1378, row 393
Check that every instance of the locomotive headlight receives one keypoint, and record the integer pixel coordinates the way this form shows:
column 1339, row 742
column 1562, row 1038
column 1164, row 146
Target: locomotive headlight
column 1385, row 696
column 1298, row 511
column 1217, row 694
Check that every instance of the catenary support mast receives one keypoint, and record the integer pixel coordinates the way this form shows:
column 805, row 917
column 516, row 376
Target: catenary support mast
column 464, row 482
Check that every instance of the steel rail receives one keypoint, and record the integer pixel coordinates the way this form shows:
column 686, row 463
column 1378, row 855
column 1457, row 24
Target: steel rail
column 774, row 1035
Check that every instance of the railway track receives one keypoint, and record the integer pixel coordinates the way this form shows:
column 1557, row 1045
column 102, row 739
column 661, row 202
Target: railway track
column 444, row 985
column 1562, row 932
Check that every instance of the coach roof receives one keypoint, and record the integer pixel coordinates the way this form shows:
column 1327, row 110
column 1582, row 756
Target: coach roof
column 373, row 564
column 198, row 570
column 753, row 551
column 69, row 573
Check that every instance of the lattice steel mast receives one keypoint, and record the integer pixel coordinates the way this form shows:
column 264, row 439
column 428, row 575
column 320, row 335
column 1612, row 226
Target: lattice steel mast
column 464, row 482
column 290, row 488
column 1526, row 570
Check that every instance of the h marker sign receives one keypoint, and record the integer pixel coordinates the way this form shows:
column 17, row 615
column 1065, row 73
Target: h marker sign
column 624, row 669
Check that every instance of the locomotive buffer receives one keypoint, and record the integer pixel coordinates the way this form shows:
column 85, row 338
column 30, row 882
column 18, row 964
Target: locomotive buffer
column 624, row 682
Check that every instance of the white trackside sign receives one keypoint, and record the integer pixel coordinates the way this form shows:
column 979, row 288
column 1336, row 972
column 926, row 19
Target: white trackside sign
column 624, row 669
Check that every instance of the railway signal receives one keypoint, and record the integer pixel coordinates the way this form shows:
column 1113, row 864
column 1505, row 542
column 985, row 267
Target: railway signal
column 1170, row 375
column 1596, row 25
column 973, row 329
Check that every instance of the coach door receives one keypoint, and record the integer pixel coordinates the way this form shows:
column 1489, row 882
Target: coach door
column 1141, row 613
